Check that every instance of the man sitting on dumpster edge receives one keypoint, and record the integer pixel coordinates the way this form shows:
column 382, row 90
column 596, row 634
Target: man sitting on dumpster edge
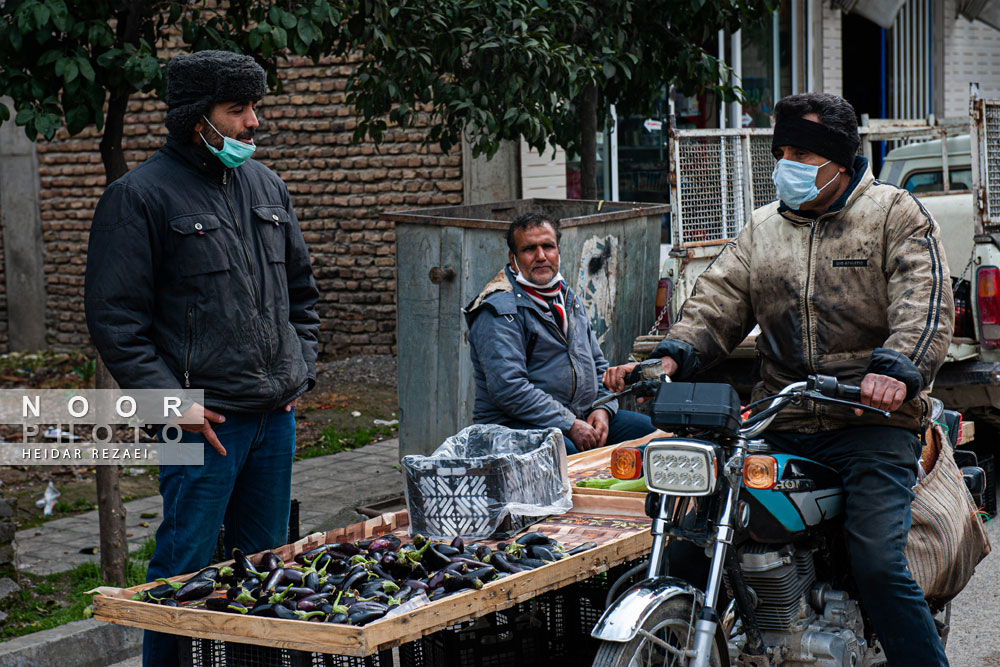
column 847, row 277
column 536, row 359
column 198, row 277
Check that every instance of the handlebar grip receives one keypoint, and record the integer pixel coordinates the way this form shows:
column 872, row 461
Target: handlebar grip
column 633, row 376
column 848, row 392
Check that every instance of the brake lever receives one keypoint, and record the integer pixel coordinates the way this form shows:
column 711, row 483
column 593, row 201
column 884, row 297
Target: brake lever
column 816, row 396
column 644, row 385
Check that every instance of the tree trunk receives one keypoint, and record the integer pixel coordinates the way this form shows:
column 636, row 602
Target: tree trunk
column 588, row 142
column 110, row 508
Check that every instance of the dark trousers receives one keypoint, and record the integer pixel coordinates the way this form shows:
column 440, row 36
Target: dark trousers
column 878, row 466
column 248, row 491
column 625, row 425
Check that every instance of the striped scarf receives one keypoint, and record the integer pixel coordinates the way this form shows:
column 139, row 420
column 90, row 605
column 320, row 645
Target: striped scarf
column 551, row 299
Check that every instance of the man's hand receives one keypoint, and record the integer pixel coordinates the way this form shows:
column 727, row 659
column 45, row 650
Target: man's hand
column 599, row 420
column 205, row 427
column 291, row 406
column 583, row 434
column 882, row 392
column 614, row 377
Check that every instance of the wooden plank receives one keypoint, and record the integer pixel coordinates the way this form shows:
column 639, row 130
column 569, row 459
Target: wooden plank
column 617, row 524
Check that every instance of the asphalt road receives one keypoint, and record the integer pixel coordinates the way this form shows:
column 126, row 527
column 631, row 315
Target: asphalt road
column 975, row 613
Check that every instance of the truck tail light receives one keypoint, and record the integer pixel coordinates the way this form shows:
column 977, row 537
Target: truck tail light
column 988, row 303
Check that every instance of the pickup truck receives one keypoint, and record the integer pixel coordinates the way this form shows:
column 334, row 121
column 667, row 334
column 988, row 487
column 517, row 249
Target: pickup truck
column 719, row 176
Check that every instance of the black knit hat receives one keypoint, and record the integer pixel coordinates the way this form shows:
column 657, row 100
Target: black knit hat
column 196, row 81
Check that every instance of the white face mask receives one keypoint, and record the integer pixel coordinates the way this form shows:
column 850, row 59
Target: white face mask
column 521, row 279
column 796, row 182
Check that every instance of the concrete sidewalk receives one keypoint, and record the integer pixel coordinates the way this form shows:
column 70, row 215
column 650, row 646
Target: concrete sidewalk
column 328, row 489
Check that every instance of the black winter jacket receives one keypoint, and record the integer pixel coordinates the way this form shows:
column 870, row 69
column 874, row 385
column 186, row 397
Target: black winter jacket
column 198, row 276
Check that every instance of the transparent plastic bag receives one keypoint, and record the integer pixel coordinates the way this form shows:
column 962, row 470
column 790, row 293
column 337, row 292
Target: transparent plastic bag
column 483, row 475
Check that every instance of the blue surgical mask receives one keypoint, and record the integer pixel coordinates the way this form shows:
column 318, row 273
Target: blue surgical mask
column 233, row 153
column 796, row 182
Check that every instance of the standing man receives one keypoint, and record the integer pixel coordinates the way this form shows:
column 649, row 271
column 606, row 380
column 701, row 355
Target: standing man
column 846, row 276
column 198, row 277
column 536, row 359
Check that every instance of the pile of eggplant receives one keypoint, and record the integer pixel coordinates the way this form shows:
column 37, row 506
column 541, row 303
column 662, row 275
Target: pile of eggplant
column 354, row 582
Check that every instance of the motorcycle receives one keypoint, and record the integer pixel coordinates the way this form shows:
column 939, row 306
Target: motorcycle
column 771, row 522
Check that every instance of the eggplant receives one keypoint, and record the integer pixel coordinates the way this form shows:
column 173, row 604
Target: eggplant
column 458, row 543
column 483, row 552
column 355, row 579
column 471, row 562
column 210, row 573
column 484, row 574
column 311, row 580
column 439, row 593
column 434, row 559
column 400, row 596
column 156, row 594
column 436, row 580
column 416, row 585
column 337, row 618
column 242, row 567
column 270, row 561
column 169, row 603
column 284, row 612
column 362, row 617
column 225, row 604
column 345, row 548
column 580, row 549
column 499, row 560
column 384, row 543
column 376, row 585
column 312, row 603
column 531, row 563
column 447, row 550
column 457, row 567
column 377, row 570
column 459, row 582
column 194, row 590
column 541, row 553
column 531, row 539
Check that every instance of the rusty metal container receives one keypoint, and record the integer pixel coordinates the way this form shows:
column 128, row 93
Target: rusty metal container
column 444, row 256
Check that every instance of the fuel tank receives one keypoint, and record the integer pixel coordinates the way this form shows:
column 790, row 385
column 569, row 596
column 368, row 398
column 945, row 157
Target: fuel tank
column 806, row 495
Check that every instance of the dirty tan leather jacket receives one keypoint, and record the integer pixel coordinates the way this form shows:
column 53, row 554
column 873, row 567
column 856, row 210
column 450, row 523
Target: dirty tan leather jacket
column 862, row 288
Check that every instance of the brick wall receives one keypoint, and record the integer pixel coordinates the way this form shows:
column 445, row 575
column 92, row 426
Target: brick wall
column 337, row 188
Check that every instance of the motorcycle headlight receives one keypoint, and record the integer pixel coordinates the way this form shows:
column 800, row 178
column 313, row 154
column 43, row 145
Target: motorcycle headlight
column 681, row 467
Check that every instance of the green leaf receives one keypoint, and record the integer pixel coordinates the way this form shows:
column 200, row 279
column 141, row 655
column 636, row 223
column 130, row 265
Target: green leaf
column 41, row 14
column 288, row 20
column 280, row 38
column 77, row 118
column 4, row 112
column 254, row 39
column 70, row 71
column 60, row 14
column 48, row 57
column 24, row 116
column 61, row 65
column 609, row 70
column 86, row 70
column 307, row 32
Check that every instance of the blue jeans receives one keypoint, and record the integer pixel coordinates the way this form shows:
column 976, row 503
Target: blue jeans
column 248, row 491
column 625, row 425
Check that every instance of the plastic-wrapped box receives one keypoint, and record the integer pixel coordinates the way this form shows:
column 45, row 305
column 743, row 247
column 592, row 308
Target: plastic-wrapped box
column 483, row 475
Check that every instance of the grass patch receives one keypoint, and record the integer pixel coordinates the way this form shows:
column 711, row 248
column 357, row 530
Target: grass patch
column 48, row 601
column 333, row 440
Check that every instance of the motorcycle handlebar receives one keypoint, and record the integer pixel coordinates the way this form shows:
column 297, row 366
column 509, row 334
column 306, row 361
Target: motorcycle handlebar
column 828, row 386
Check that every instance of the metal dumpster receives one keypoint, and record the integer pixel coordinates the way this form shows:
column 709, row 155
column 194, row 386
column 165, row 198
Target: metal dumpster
column 444, row 256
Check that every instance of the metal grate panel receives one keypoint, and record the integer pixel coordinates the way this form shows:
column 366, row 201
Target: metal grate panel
column 991, row 222
column 710, row 188
column 762, row 164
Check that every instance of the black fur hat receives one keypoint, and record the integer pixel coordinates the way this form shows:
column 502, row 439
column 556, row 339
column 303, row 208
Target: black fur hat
column 196, row 81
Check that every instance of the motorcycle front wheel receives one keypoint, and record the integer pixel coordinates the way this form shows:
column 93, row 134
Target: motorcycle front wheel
column 662, row 641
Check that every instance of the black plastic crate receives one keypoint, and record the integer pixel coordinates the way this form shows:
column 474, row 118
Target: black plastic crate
column 509, row 637
column 213, row 653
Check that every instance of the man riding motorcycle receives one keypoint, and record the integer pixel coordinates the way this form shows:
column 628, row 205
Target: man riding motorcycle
column 846, row 277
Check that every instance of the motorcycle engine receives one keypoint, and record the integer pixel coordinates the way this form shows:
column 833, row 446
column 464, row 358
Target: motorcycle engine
column 803, row 621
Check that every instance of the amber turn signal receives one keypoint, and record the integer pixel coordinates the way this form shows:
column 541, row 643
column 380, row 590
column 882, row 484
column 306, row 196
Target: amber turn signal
column 626, row 463
column 760, row 471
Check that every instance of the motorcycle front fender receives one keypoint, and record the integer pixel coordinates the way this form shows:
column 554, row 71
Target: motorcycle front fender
column 622, row 620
